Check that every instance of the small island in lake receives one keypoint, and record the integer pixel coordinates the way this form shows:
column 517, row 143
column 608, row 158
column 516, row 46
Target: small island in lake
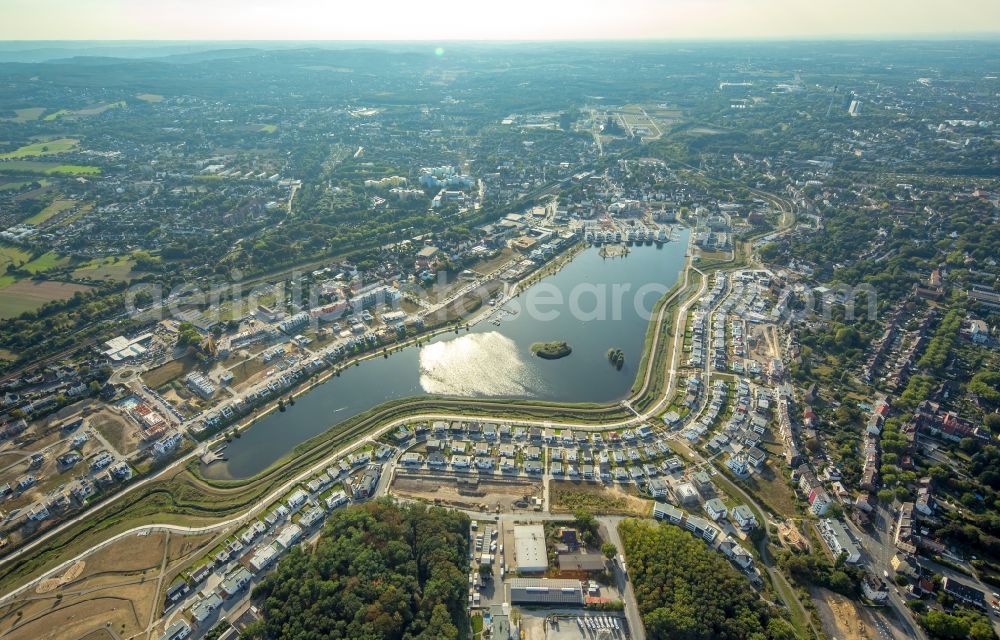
column 616, row 357
column 551, row 350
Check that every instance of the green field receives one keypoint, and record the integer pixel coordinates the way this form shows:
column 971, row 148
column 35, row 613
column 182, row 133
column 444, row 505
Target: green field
column 91, row 111
column 11, row 186
column 170, row 371
column 46, row 148
column 17, row 183
column 47, row 168
column 46, row 261
column 109, row 268
column 150, row 97
column 57, row 206
column 267, row 128
column 9, row 254
column 27, row 115
column 28, row 295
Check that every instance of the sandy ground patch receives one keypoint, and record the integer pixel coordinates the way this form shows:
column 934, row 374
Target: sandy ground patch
column 790, row 536
column 116, row 586
column 841, row 618
column 70, row 575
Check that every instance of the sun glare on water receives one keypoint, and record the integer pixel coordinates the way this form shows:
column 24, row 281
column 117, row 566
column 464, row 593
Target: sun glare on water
column 477, row 364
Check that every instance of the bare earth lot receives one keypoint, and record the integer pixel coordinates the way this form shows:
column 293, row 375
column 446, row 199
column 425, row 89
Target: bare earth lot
column 842, row 618
column 444, row 490
column 119, row 431
column 114, row 590
column 569, row 496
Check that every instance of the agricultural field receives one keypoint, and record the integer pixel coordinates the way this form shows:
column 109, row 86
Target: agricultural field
column 44, row 148
column 56, row 207
column 47, row 168
column 28, row 295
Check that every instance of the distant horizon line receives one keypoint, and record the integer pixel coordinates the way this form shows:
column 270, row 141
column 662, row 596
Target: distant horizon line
column 952, row 36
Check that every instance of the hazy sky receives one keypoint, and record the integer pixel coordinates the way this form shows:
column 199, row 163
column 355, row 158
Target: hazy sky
column 487, row 19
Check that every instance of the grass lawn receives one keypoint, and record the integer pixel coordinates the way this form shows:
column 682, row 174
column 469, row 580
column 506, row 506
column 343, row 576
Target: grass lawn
column 47, row 168
column 772, row 489
column 27, row 115
column 46, row 148
column 46, row 261
column 57, row 206
column 10, row 254
column 267, row 128
column 567, row 496
column 16, row 184
column 28, row 295
column 110, row 268
column 92, row 111
column 81, row 211
column 165, row 373
column 247, row 368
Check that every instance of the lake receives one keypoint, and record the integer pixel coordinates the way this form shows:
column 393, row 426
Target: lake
column 593, row 303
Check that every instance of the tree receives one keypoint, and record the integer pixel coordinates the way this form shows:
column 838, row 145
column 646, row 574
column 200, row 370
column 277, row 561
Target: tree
column 187, row 335
column 378, row 570
column 584, row 519
column 585, row 522
column 968, row 445
column 835, row 510
column 253, row 631
column 992, row 422
column 943, row 625
column 609, row 550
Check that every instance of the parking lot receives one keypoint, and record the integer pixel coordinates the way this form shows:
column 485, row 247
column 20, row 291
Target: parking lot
column 572, row 625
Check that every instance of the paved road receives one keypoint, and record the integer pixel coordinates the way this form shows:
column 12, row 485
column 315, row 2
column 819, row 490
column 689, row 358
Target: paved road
column 879, row 547
column 610, row 525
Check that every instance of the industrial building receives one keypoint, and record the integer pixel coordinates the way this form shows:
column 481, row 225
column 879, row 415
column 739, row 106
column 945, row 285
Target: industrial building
column 529, row 548
column 546, row 591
